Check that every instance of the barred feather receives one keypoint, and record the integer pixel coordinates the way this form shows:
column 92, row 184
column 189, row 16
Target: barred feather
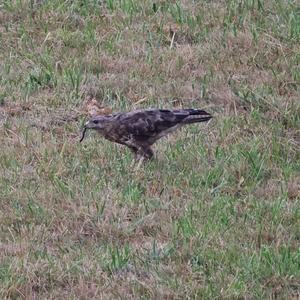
column 140, row 129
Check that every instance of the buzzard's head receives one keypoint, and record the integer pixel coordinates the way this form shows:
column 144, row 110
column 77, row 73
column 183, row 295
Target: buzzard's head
column 97, row 122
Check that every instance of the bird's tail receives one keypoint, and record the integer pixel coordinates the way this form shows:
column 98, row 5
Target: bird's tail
column 195, row 116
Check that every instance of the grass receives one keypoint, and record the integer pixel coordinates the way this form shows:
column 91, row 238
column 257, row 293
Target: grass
column 215, row 216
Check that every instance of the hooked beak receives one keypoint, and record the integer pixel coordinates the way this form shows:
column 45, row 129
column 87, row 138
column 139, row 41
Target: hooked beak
column 88, row 125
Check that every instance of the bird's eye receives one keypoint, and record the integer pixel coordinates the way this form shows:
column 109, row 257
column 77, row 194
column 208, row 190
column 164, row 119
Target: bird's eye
column 96, row 121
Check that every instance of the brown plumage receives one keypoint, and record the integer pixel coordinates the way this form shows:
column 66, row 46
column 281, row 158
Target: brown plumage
column 139, row 130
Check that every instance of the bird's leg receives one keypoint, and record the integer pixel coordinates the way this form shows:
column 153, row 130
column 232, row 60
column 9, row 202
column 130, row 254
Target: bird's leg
column 143, row 154
column 139, row 161
column 134, row 150
column 146, row 152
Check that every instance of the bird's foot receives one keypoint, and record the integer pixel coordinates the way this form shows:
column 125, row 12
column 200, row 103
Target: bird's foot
column 136, row 162
column 139, row 160
column 139, row 164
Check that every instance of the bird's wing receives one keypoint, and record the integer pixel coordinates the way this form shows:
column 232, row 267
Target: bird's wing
column 150, row 123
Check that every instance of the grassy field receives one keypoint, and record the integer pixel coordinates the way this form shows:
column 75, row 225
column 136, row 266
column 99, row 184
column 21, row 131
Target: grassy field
column 216, row 215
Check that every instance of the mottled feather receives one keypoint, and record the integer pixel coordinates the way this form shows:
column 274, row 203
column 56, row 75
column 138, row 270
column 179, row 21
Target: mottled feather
column 140, row 129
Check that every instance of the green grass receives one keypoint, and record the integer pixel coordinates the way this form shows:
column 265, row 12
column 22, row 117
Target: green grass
column 216, row 215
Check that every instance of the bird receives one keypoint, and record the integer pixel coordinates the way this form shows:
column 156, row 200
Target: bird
column 140, row 129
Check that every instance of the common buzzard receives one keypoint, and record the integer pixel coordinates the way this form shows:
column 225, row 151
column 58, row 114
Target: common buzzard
column 139, row 130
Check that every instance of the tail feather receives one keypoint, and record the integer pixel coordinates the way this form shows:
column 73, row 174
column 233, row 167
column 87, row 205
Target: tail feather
column 195, row 116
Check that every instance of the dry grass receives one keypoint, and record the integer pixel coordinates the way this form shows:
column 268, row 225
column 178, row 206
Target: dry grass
column 215, row 216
